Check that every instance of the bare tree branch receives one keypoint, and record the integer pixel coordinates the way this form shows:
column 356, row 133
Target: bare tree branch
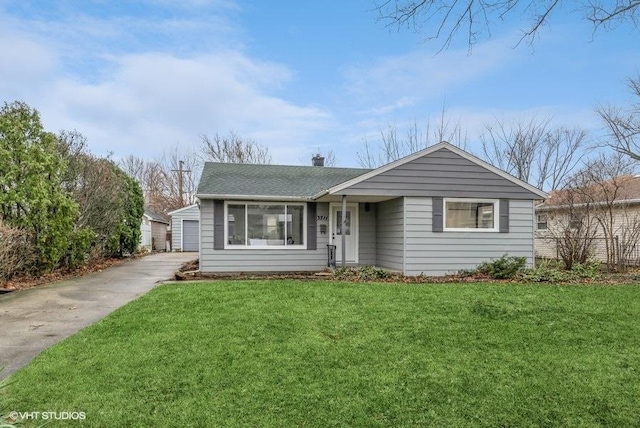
column 534, row 151
column 611, row 14
column 445, row 19
column 391, row 147
column 623, row 125
column 160, row 180
column 233, row 149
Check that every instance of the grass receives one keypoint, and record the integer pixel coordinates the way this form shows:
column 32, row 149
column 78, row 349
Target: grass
column 288, row 353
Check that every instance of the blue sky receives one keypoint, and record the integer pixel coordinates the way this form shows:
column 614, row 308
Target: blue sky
column 298, row 77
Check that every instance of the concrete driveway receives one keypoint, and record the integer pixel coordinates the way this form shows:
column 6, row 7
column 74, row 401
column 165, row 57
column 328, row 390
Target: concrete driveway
column 34, row 319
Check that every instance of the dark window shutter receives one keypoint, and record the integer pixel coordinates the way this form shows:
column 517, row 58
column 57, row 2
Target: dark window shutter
column 436, row 221
column 504, row 216
column 312, row 225
column 218, row 224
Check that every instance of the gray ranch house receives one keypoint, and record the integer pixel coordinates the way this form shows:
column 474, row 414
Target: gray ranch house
column 434, row 212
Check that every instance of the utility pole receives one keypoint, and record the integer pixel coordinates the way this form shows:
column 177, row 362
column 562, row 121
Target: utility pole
column 180, row 171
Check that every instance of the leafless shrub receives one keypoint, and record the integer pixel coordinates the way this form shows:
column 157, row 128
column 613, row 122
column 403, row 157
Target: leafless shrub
column 17, row 255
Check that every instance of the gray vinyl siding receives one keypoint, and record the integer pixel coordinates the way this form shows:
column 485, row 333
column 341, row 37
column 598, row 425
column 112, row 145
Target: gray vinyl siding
column 367, row 235
column 441, row 173
column 259, row 260
column 390, row 234
column 192, row 213
column 448, row 252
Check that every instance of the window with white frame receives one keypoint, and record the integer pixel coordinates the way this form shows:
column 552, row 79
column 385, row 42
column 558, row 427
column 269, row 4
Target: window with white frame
column 542, row 222
column 470, row 215
column 267, row 225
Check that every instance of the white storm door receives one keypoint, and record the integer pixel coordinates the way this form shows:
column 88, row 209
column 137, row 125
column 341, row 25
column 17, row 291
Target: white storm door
column 350, row 233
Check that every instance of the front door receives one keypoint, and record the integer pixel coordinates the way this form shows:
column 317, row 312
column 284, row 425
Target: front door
column 350, row 233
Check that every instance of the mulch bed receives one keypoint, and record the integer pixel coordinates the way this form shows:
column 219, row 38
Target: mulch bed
column 190, row 272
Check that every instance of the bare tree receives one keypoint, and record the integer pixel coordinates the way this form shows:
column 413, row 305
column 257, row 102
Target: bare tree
column 233, row 149
column 330, row 158
column 134, row 167
column 534, row 151
column 391, row 147
column 181, row 172
column 168, row 182
column 150, row 176
column 598, row 205
column 106, row 201
column 623, row 124
column 444, row 19
column 90, row 180
column 606, row 183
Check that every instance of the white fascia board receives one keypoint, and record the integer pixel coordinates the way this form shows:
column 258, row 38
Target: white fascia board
column 320, row 194
column 181, row 209
column 427, row 151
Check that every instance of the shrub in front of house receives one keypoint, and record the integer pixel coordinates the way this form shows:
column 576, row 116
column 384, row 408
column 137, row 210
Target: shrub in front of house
column 363, row 273
column 506, row 267
column 551, row 271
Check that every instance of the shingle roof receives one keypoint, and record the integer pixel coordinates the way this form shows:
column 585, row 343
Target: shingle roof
column 271, row 180
column 155, row 216
column 625, row 188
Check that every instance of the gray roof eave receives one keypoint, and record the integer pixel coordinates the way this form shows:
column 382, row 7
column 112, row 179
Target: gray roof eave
column 253, row 197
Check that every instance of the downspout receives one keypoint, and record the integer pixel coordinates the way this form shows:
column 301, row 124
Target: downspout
column 343, row 228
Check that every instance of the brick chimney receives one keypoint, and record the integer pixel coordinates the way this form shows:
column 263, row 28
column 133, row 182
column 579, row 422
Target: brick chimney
column 317, row 160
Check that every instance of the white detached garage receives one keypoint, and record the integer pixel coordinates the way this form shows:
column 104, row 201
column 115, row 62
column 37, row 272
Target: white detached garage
column 185, row 229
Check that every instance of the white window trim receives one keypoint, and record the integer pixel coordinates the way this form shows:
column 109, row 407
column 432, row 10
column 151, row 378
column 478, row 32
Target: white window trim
column 496, row 215
column 538, row 222
column 228, row 246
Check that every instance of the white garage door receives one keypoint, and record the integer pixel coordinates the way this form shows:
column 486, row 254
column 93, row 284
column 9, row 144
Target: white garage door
column 190, row 235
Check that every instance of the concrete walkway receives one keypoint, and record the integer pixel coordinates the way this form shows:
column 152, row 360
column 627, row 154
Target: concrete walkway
column 34, row 319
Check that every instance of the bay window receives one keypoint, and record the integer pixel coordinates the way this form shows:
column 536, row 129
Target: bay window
column 266, row 225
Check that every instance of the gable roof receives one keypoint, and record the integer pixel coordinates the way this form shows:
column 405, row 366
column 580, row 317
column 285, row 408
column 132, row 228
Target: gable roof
column 154, row 216
column 423, row 176
column 428, row 151
column 220, row 180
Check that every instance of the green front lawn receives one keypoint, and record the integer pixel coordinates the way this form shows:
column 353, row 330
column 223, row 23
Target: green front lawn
column 288, row 353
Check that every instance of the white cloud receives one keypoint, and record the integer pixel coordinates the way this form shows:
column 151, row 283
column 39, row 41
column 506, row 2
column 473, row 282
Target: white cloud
column 137, row 100
column 25, row 65
column 420, row 75
column 156, row 100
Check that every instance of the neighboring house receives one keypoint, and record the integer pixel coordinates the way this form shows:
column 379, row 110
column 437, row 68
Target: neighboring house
column 607, row 214
column 185, row 229
column 153, row 231
column 435, row 212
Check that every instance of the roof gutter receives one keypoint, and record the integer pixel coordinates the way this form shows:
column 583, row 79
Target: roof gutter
column 252, row 197
column 542, row 207
column 320, row 194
